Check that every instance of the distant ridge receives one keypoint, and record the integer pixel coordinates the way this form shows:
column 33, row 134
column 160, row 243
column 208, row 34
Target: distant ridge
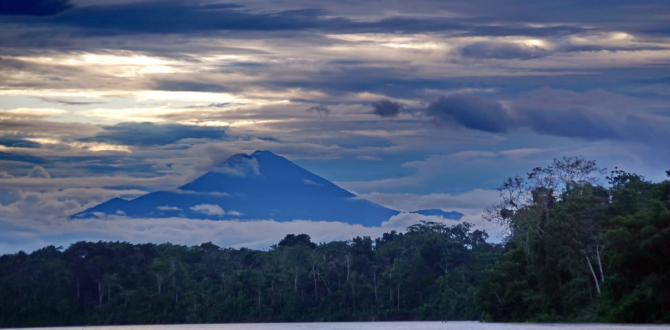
column 262, row 185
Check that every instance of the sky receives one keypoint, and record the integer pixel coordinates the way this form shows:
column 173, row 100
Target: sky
column 409, row 104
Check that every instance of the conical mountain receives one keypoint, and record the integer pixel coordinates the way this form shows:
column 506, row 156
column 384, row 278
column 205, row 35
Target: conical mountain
column 250, row 187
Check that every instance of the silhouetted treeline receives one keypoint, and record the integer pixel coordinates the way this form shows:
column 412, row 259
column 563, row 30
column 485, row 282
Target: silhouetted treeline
column 578, row 251
column 429, row 272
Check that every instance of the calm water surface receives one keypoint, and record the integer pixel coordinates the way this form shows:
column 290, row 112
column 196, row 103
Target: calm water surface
column 378, row 326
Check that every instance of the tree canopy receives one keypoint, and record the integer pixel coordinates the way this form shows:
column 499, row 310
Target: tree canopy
column 580, row 251
column 429, row 272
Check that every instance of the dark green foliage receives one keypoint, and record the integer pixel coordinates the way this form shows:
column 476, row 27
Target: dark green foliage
column 588, row 254
column 428, row 273
column 300, row 240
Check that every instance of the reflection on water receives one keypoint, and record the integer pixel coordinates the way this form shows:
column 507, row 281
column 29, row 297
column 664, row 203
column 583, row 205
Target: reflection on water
column 378, row 326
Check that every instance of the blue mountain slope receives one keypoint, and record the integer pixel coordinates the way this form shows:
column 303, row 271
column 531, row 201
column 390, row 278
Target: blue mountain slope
column 249, row 187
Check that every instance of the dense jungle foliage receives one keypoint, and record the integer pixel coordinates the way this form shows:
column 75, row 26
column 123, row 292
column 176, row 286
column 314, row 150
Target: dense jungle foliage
column 575, row 251
column 429, row 272
column 580, row 252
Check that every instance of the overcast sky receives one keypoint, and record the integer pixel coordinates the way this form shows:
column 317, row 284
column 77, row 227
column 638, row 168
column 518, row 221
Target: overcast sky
column 411, row 104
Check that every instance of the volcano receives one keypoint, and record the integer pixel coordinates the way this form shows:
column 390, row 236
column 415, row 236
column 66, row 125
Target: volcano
column 259, row 186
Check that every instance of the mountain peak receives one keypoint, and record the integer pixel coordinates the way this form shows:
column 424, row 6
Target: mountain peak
column 262, row 185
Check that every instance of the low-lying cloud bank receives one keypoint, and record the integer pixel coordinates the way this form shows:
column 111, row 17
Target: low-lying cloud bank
column 30, row 234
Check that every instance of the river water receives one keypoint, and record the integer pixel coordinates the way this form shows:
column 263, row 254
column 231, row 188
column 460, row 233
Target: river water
column 378, row 326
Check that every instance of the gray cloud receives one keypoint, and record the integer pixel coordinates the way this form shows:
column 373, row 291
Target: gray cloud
column 38, row 172
column 386, row 108
column 321, row 110
column 501, row 50
column 16, row 142
column 471, row 112
column 20, row 157
column 35, row 126
column 174, row 85
column 66, row 102
column 149, row 134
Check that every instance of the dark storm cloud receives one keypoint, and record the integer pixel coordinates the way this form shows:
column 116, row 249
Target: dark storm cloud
column 190, row 86
column 33, row 7
column 471, row 112
column 386, row 108
column 149, row 134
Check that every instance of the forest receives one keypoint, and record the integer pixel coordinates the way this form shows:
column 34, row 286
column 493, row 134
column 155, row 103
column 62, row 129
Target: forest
column 582, row 245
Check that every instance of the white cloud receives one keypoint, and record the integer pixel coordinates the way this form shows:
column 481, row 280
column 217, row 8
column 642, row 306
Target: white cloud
column 37, row 112
column 168, row 208
column 38, row 172
column 55, row 203
column 30, row 234
column 239, row 166
column 208, row 209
